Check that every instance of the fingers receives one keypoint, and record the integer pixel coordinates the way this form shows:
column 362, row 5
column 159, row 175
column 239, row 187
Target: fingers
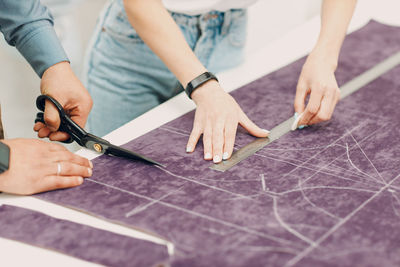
column 251, row 127
column 220, row 117
column 51, row 116
column 313, row 106
column 207, row 141
column 328, row 104
column 38, row 126
column 66, row 168
column 230, row 135
column 300, row 99
column 66, row 156
column 58, row 182
column 218, row 140
column 58, row 136
column 323, row 113
column 52, row 124
column 194, row 136
column 44, row 132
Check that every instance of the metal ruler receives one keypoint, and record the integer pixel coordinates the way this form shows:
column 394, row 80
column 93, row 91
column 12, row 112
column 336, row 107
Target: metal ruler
column 285, row 127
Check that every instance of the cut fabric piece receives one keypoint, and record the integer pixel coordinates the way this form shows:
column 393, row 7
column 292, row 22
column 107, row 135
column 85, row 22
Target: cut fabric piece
column 77, row 240
column 324, row 196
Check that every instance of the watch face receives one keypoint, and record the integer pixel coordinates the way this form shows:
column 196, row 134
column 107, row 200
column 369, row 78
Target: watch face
column 4, row 157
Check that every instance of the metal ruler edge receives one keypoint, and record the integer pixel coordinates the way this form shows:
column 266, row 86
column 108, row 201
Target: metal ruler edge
column 285, row 127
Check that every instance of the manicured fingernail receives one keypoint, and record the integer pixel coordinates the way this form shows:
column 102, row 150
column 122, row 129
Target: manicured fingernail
column 301, row 127
column 207, row 156
column 90, row 164
column 266, row 131
column 225, row 156
column 217, row 159
column 90, row 171
column 296, row 115
column 188, row 149
column 80, row 180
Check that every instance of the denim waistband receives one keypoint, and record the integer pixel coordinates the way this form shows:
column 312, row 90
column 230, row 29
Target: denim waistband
column 210, row 19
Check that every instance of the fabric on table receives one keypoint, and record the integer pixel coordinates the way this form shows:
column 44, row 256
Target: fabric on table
column 327, row 195
column 77, row 240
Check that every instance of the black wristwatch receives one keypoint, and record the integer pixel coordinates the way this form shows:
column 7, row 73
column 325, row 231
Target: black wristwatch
column 4, row 157
column 199, row 80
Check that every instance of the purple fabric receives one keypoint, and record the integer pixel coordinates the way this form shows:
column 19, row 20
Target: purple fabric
column 78, row 240
column 331, row 194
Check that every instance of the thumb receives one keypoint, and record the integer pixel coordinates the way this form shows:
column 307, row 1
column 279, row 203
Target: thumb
column 251, row 127
column 51, row 116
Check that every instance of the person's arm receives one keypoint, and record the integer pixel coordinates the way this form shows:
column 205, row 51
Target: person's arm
column 217, row 113
column 36, row 166
column 28, row 26
column 317, row 78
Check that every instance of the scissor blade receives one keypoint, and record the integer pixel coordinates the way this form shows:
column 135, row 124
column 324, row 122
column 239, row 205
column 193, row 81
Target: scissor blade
column 125, row 153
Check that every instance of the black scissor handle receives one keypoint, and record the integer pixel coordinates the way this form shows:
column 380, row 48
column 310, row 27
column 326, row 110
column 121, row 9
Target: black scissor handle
column 67, row 125
column 41, row 104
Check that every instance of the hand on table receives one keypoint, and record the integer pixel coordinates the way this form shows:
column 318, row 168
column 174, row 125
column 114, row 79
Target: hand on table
column 317, row 79
column 34, row 167
column 60, row 82
column 217, row 117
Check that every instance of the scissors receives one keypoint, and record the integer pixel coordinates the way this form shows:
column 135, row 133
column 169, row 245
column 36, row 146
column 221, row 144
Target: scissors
column 84, row 138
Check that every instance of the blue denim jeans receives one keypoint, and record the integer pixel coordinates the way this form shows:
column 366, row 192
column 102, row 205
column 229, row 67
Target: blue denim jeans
column 126, row 79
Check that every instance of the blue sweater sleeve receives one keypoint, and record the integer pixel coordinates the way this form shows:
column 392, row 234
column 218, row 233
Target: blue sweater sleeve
column 28, row 25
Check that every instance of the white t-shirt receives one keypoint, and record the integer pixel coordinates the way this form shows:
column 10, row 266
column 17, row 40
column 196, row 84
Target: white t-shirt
column 197, row 7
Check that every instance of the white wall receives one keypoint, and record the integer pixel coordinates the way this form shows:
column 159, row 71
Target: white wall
column 270, row 19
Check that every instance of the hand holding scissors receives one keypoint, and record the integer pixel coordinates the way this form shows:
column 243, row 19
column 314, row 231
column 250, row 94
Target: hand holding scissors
column 84, row 138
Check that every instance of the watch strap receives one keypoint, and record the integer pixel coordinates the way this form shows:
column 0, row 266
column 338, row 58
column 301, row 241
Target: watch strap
column 4, row 157
column 198, row 81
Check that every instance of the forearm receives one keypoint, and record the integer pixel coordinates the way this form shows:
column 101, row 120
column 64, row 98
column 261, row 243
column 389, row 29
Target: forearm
column 335, row 19
column 217, row 114
column 164, row 38
column 317, row 79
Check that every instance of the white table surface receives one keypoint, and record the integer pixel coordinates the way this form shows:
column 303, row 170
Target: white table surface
column 277, row 54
